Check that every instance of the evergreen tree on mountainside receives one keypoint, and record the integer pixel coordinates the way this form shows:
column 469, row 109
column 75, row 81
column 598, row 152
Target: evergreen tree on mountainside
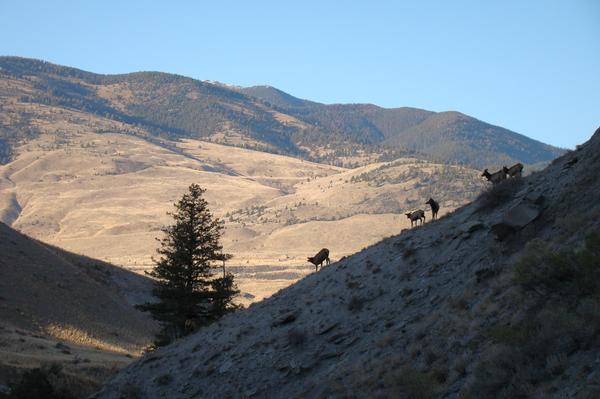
column 189, row 293
column 224, row 289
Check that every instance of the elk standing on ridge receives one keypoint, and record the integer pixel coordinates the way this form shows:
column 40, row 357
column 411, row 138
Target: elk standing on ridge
column 416, row 216
column 435, row 207
column 319, row 258
column 495, row 177
column 514, row 171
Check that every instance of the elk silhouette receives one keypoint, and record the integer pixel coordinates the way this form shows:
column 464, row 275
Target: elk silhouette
column 416, row 216
column 495, row 177
column 319, row 258
column 435, row 207
column 514, row 171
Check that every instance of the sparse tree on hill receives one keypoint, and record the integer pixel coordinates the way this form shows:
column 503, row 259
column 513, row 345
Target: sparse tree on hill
column 189, row 293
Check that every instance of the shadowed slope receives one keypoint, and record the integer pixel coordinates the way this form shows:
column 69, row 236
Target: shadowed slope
column 46, row 289
column 69, row 314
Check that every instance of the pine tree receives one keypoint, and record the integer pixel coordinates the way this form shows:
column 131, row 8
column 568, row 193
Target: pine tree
column 189, row 294
column 224, row 289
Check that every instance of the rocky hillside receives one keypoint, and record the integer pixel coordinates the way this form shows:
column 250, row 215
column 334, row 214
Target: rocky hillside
column 66, row 309
column 498, row 299
column 261, row 118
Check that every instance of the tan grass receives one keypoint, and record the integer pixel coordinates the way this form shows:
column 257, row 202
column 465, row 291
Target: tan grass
column 87, row 188
column 80, row 337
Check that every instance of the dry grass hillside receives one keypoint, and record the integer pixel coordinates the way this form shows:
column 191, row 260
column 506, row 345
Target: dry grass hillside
column 498, row 299
column 102, row 188
column 67, row 310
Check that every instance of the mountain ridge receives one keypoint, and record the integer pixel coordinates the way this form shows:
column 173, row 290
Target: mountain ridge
column 264, row 118
column 415, row 122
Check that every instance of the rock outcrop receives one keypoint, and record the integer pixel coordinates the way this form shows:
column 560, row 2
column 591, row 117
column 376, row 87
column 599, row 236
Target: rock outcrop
column 515, row 219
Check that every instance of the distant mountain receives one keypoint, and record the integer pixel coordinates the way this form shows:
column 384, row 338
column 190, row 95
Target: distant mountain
column 445, row 136
column 259, row 117
column 276, row 97
column 167, row 104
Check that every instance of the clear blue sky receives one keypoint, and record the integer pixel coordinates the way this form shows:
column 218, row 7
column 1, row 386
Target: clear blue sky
column 530, row 66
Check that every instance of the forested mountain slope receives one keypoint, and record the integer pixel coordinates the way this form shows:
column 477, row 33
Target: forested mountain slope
column 449, row 137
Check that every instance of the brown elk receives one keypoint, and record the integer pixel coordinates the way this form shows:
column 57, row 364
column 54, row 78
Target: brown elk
column 495, row 177
column 514, row 171
column 435, row 207
column 416, row 216
column 319, row 258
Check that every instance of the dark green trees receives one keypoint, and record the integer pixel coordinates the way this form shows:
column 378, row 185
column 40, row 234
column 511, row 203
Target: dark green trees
column 189, row 291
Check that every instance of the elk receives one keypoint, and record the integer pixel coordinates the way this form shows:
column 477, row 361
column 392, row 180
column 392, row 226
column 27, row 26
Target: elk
column 416, row 216
column 514, row 171
column 319, row 258
column 435, row 207
column 495, row 177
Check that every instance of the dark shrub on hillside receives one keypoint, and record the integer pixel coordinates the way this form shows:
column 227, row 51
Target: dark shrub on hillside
column 498, row 194
column 561, row 319
column 35, row 384
column 410, row 383
column 386, row 379
column 533, row 351
column 569, row 272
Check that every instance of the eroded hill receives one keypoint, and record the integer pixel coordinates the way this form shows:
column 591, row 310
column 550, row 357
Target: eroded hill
column 497, row 299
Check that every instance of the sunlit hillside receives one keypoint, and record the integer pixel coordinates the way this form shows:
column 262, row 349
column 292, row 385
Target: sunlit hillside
column 84, row 185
